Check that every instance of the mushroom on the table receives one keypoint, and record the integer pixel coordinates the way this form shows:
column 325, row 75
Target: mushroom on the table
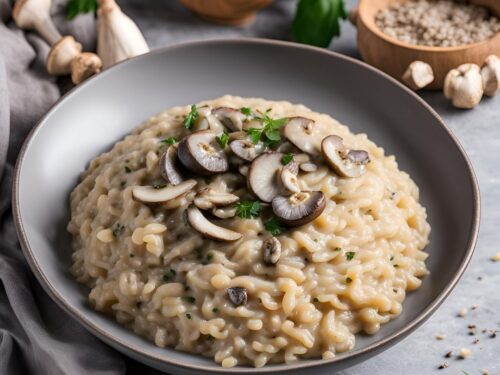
column 150, row 194
column 199, row 222
column 345, row 162
column 299, row 208
column 168, row 166
column 200, row 153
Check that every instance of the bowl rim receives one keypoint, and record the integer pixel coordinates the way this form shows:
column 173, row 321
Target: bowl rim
column 281, row 368
column 417, row 47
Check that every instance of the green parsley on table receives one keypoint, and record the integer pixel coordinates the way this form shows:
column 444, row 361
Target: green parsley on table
column 349, row 255
column 316, row 22
column 191, row 117
column 286, row 159
column 274, row 227
column 75, row 7
column 222, row 140
column 248, row 209
column 169, row 141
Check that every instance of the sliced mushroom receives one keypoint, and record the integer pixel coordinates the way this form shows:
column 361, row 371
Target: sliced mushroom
column 289, row 180
column 209, row 198
column 168, row 166
column 246, row 149
column 345, row 162
column 299, row 208
column 237, row 295
column 230, row 118
column 200, row 223
column 224, row 213
column 201, row 154
column 148, row 194
column 243, row 169
column 308, row 167
column 263, row 176
column 306, row 134
column 271, row 249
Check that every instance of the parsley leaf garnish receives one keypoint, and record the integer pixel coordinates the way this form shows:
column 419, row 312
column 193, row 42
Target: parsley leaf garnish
column 127, row 169
column 274, row 227
column 191, row 117
column 269, row 133
column 75, row 7
column 222, row 140
column 248, row 209
column 169, row 141
column 287, row 158
column 254, row 134
column 349, row 255
column 246, row 111
column 117, row 230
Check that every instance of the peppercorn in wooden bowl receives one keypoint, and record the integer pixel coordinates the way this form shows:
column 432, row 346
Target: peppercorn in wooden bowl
column 393, row 54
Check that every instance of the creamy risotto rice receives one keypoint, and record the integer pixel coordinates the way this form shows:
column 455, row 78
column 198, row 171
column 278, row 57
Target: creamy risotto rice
column 267, row 286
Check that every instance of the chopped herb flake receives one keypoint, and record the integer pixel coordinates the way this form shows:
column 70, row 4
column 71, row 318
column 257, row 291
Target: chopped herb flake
column 191, row 117
column 210, row 338
column 117, row 230
column 215, row 310
column 75, row 7
column 348, row 280
column 315, row 299
column 274, row 227
column 287, row 158
column 210, row 256
column 349, row 255
column 222, row 140
column 246, row 111
column 169, row 141
column 248, row 209
column 159, row 186
column 254, row 134
column 127, row 169
column 338, row 249
column 188, row 315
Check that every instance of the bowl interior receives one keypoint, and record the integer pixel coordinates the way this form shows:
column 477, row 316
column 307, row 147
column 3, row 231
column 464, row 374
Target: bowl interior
column 93, row 117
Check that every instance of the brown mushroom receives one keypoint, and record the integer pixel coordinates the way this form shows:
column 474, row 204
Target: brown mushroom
column 299, row 208
column 230, row 118
column 271, row 249
column 306, row 134
column 263, row 176
column 345, row 162
column 168, row 166
column 201, row 154
column 200, row 223
column 149, row 194
column 237, row 295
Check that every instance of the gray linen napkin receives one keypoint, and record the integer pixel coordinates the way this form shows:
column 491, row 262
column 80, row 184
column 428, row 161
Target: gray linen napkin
column 36, row 336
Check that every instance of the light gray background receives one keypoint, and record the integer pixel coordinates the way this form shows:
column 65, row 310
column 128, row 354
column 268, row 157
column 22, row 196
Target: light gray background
column 167, row 22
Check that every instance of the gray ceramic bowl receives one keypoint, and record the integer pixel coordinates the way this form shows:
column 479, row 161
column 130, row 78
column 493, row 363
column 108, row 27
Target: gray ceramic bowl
column 91, row 118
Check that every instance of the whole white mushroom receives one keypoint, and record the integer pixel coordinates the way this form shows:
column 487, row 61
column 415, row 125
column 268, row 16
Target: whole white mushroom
column 464, row 86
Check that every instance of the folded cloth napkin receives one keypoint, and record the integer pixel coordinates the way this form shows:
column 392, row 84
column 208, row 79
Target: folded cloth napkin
column 36, row 336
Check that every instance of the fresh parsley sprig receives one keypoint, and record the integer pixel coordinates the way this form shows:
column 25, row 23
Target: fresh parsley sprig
column 274, row 227
column 222, row 140
column 169, row 141
column 191, row 117
column 75, row 7
column 248, row 209
column 269, row 134
column 286, row 159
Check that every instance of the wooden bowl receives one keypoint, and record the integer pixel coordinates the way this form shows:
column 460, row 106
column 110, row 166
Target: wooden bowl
column 393, row 56
column 227, row 12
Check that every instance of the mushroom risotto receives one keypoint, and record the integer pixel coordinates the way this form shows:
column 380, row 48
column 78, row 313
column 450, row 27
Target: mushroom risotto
column 248, row 230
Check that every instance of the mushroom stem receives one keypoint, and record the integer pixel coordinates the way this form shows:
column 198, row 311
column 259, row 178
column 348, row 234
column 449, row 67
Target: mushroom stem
column 118, row 38
column 418, row 75
column 35, row 15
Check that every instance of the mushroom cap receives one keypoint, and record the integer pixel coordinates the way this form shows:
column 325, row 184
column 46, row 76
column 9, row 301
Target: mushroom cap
column 345, row 162
column 490, row 73
column 263, row 176
column 84, row 66
column 306, row 134
column 246, row 149
column 231, row 118
column 25, row 12
column 148, row 194
column 299, row 208
column 237, row 295
column 464, row 86
column 201, row 154
column 168, row 166
column 271, row 249
column 200, row 223
column 61, row 55
column 418, row 75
